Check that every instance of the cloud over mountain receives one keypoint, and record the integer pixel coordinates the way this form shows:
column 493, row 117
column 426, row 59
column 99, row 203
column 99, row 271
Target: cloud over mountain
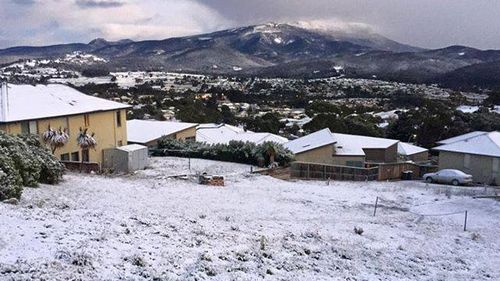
column 425, row 23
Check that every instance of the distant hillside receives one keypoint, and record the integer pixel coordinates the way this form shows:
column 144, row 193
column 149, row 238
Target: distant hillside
column 285, row 50
column 482, row 75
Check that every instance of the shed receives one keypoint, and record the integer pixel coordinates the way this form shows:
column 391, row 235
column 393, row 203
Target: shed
column 126, row 159
column 410, row 152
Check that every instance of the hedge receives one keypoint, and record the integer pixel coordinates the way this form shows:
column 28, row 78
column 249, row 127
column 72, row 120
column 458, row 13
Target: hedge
column 235, row 151
column 24, row 161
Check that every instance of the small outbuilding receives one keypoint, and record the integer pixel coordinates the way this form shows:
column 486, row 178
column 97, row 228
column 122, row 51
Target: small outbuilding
column 410, row 152
column 126, row 159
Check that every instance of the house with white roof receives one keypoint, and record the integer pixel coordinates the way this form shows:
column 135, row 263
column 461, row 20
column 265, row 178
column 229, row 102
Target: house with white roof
column 461, row 137
column 343, row 149
column 28, row 109
column 148, row 132
column 476, row 153
column 223, row 134
column 411, row 152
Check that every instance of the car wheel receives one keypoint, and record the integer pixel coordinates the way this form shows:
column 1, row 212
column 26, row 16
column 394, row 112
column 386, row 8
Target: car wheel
column 429, row 180
column 455, row 182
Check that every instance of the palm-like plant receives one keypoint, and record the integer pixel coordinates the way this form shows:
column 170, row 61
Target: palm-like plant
column 271, row 150
column 267, row 151
column 55, row 138
column 86, row 141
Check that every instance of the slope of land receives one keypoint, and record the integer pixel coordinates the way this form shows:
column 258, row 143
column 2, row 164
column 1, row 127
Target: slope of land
column 146, row 226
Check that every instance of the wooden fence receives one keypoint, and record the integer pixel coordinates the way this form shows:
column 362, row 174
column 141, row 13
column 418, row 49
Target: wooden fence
column 392, row 171
column 304, row 170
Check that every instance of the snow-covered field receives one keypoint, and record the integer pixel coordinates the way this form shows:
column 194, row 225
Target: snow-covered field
column 150, row 227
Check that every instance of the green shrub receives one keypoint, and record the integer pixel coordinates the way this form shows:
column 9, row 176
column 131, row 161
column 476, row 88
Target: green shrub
column 235, row 151
column 24, row 161
column 51, row 170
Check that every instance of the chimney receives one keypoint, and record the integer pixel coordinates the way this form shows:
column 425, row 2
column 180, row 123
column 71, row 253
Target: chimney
column 4, row 100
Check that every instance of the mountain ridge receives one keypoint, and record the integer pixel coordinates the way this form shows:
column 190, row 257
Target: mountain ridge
column 258, row 49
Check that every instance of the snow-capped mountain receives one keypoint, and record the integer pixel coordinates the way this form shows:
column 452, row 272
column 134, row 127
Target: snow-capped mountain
column 275, row 49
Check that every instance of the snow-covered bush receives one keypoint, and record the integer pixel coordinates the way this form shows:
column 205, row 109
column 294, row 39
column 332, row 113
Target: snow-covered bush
column 24, row 161
column 51, row 169
column 235, row 151
column 10, row 180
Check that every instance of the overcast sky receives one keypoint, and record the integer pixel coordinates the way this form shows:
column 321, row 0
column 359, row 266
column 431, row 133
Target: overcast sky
column 423, row 23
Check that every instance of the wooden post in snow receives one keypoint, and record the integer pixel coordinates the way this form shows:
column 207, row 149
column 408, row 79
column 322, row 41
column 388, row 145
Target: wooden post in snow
column 465, row 221
column 376, row 204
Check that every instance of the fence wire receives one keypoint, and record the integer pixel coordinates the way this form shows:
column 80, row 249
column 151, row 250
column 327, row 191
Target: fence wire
column 425, row 215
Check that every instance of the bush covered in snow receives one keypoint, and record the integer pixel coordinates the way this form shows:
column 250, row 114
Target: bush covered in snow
column 235, row 151
column 24, row 161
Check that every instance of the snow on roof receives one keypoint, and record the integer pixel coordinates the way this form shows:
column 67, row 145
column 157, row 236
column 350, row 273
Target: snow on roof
column 344, row 144
column 312, row 141
column 132, row 147
column 408, row 149
column 354, row 144
column 28, row 102
column 227, row 126
column 144, row 131
column 487, row 144
column 462, row 137
column 259, row 138
column 223, row 134
column 468, row 108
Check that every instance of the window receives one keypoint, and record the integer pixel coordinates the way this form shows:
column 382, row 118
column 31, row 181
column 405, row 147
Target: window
column 86, row 120
column 85, row 156
column 467, row 161
column 75, row 156
column 29, row 127
column 33, row 127
column 66, row 125
column 191, row 139
column 118, row 119
column 65, row 157
column 496, row 165
column 25, row 128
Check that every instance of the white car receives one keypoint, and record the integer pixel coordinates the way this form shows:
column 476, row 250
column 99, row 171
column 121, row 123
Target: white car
column 455, row 177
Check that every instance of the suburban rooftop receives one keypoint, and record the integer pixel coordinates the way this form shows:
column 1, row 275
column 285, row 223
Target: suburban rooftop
column 462, row 137
column 344, row 144
column 143, row 131
column 408, row 149
column 28, row 102
column 487, row 144
column 223, row 134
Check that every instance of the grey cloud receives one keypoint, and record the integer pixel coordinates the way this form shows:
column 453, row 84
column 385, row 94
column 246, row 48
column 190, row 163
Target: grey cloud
column 426, row 23
column 99, row 3
column 24, row 2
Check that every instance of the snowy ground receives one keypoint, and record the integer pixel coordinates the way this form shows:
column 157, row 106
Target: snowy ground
column 147, row 226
